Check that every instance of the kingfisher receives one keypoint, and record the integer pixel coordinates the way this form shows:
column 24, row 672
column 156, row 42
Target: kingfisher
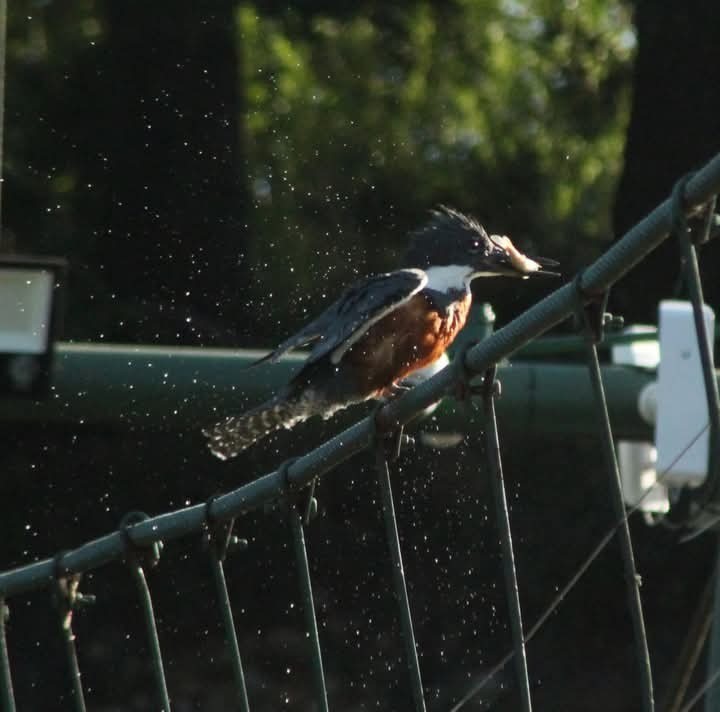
column 382, row 329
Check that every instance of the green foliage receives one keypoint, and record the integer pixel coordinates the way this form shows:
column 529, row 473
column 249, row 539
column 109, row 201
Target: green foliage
column 357, row 124
column 354, row 121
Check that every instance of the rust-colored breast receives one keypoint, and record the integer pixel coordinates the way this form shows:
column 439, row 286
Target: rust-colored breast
column 409, row 338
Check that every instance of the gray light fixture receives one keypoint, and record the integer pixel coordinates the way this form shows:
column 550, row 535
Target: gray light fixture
column 30, row 306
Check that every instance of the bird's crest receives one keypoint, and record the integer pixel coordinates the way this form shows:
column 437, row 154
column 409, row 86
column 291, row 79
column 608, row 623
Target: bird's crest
column 444, row 223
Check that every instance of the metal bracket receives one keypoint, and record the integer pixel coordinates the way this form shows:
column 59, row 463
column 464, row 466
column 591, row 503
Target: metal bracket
column 218, row 535
column 144, row 556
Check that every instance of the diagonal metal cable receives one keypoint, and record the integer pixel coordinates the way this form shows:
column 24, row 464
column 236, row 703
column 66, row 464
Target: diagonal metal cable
column 701, row 692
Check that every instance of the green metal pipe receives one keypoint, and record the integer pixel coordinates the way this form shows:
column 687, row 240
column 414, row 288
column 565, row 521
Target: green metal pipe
column 553, row 346
column 184, row 388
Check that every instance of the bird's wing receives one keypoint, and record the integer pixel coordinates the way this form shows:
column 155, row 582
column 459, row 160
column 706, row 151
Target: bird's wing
column 355, row 311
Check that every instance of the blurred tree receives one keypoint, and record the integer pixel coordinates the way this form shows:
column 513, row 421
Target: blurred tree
column 674, row 128
column 361, row 121
column 132, row 135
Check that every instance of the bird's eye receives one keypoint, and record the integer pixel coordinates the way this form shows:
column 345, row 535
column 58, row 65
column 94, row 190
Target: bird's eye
column 475, row 247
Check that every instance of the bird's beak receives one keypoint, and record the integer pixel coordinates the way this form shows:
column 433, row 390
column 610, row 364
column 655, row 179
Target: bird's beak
column 544, row 263
column 506, row 260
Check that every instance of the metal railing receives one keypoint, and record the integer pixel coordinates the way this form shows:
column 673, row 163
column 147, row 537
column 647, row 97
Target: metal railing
column 138, row 539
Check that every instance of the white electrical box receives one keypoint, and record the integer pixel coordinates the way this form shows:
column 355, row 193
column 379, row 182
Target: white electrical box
column 636, row 460
column 682, row 435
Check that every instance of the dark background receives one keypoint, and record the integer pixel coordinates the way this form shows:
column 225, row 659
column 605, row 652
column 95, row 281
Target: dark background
column 214, row 172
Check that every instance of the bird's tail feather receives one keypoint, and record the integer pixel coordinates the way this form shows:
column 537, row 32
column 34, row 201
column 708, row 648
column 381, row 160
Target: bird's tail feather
column 235, row 433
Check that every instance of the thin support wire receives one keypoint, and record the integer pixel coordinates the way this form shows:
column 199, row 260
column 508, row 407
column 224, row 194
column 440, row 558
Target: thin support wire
column 230, row 634
column 398, row 574
column 691, row 650
column 219, row 538
column 135, row 556
column 711, row 689
column 492, row 445
column 298, row 535
column 151, row 627
column 707, row 685
column 6, row 687
column 66, row 596
column 694, row 286
column 592, row 316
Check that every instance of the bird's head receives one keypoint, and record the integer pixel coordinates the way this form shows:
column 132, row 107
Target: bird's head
column 453, row 239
